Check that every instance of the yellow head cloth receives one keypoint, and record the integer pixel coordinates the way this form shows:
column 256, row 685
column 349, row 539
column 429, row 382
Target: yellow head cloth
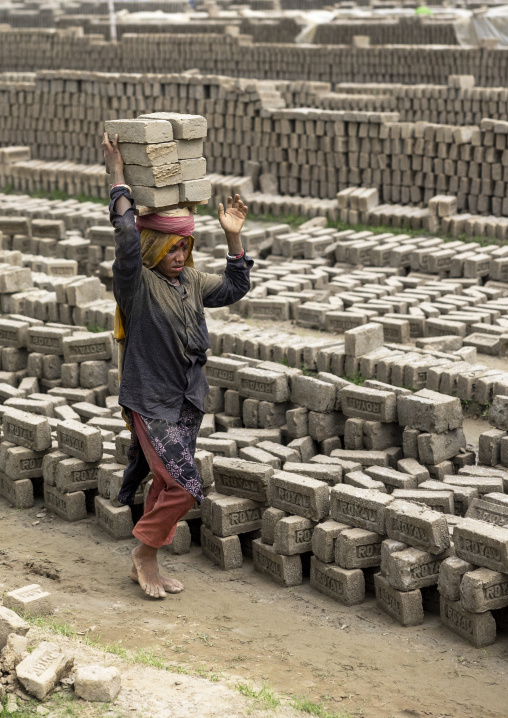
column 154, row 247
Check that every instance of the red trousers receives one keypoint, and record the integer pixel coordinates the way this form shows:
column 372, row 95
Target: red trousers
column 167, row 502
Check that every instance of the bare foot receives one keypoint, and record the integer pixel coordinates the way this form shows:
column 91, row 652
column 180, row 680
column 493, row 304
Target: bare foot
column 144, row 559
column 170, row 585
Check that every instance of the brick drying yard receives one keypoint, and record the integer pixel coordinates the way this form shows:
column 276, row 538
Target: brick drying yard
column 350, row 557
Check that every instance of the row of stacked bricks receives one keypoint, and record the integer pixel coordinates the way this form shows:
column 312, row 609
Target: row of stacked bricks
column 295, row 281
column 443, row 296
column 309, row 152
column 282, row 29
column 458, row 102
column 31, row 50
column 290, row 455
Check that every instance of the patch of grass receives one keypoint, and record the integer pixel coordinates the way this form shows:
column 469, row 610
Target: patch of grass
column 140, row 657
column 474, row 409
column 209, row 674
column 305, row 705
column 308, row 372
column 88, row 198
column 486, row 409
column 63, row 704
column 94, row 327
column 53, row 626
column 265, row 696
column 356, row 378
column 149, row 658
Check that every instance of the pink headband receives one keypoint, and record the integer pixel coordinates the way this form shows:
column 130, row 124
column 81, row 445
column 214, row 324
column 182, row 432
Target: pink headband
column 183, row 226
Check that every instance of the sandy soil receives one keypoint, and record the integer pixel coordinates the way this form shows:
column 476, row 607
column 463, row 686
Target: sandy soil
column 243, row 626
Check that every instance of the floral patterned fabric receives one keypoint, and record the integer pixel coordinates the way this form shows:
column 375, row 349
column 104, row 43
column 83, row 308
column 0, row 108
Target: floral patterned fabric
column 175, row 444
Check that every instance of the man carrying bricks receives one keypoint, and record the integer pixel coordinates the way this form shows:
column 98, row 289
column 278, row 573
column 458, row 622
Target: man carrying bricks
column 161, row 329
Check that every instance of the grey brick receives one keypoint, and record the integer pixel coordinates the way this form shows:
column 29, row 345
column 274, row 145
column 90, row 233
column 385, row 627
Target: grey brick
column 441, row 501
column 358, row 548
column 293, row 535
column 429, row 411
column 313, row 394
column 115, row 520
column 231, row 515
column 489, row 512
column 299, row 495
column 360, row 508
column 270, row 519
column 87, row 347
column 345, row 586
column 329, row 473
column 411, row 568
column 20, row 462
column 285, row 570
column 483, row 590
column 80, row 440
column 478, row 628
column 324, row 538
column 482, row 544
column 224, row 552
column 404, row 606
column 263, row 385
column 369, row 404
column 76, row 475
column 19, row 492
column 417, row 526
column 451, row 571
column 71, row 506
column 223, row 372
column 245, row 479
column 435, row 448
column 24, row 429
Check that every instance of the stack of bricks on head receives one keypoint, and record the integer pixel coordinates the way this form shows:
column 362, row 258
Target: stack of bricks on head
column 162, row 154
column 342, row 456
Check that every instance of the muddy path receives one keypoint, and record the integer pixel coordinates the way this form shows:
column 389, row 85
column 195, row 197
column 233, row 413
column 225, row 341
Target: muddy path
column 244, row 627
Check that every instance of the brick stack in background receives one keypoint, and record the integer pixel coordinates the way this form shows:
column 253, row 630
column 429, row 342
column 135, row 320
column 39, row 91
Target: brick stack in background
column 224, row 54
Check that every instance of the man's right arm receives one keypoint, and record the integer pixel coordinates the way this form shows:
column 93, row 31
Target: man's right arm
column 127, row 265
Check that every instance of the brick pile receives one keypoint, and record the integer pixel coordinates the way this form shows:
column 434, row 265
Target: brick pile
column 388, row 31
column 309, row 152
column 32, row 50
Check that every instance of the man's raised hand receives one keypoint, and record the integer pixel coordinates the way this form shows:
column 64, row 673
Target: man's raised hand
column 112, row 158
column 233, row 217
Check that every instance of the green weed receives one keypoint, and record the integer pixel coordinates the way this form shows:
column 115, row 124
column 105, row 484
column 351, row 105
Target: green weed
column 265, row 695
column 94, row 327
column 305, row 705
column 357, row 378
column 149, row 658
column 308, row 372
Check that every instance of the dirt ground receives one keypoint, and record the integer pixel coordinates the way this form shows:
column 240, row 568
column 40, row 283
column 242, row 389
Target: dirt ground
column 243, row 626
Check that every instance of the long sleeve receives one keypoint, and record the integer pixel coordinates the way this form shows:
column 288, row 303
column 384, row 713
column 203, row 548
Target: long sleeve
column 232, row 286
column 127, row 266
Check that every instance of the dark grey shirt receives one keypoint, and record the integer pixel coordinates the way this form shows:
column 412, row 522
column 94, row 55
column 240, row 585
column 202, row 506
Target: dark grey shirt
column 166, row 335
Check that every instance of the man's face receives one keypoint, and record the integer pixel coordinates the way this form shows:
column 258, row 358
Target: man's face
column 172, row 264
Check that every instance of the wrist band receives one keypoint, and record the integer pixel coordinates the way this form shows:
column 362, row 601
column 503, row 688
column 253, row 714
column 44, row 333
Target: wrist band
column 235, row 256
column 121, row 184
